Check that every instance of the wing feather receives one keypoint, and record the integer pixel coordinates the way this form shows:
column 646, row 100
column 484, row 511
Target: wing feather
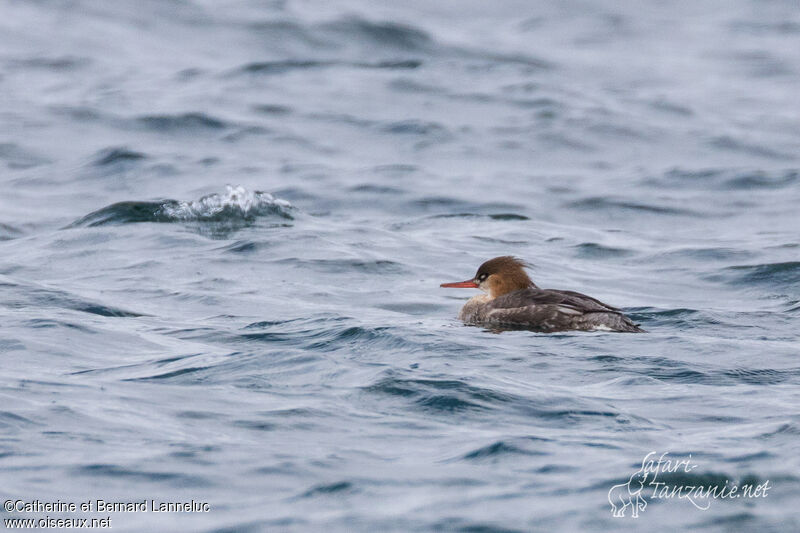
column 552, row 297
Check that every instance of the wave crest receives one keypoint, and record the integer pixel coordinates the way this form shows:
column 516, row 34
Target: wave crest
column 236, row 205
column 235, row 202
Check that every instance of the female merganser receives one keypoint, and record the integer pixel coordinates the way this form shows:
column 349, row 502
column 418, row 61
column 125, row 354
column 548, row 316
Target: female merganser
column 512, row 299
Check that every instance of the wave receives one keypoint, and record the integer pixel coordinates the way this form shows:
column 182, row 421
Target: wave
column 382, row 39
column 272, row 109
column 416, row 127
column 11, row 422
column 289, row 65
column 598, row 203
column 727, row 179
column 20, row 158
column 666, row 370
column 114, row 471
column 329, row 488
column 115, row 155
column 494, row 216
column 66, row 62
column 374, row 267
column 732, row 144
column 25, row 295
column 8, row 232
column 593, row 250
column 184, row 121
column 324, row 334
column 383, row 34
column 777, row 274
column 440, row 395
column 502, row 448
column 763, row 180
column 237, row 204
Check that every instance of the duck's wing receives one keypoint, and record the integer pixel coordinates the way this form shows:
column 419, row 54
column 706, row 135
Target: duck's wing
column 588, row 303
column 570, row 300
column 554, row 310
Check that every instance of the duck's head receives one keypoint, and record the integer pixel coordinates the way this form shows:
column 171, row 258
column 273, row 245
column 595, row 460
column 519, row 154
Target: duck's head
column 497, row 276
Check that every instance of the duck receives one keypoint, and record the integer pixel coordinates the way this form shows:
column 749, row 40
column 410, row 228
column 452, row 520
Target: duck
column 511, row 300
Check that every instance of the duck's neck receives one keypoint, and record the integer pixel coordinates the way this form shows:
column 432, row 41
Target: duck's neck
column 510, row 284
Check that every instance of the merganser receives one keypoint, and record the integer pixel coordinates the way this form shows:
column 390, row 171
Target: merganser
column 512, row 299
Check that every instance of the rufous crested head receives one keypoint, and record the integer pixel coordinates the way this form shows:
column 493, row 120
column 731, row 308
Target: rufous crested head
column 498, row 276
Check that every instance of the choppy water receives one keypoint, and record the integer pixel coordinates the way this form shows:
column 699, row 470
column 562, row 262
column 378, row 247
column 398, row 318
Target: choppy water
column 280, row 348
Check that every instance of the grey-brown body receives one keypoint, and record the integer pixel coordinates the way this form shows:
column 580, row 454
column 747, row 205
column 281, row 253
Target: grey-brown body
column 546, row 310
column 512, row 300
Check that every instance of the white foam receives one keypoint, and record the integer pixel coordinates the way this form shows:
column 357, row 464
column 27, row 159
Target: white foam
column 236, row 199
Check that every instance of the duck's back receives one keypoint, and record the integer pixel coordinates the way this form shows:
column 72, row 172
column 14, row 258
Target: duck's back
column 546, row 310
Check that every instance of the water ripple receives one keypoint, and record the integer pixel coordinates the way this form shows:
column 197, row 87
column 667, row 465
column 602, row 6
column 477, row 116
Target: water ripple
column 786, row 273
column 185, row 122
column 117, row 155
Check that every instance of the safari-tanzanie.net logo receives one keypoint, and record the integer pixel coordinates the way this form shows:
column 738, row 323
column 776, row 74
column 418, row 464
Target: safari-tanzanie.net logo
column 663, row 478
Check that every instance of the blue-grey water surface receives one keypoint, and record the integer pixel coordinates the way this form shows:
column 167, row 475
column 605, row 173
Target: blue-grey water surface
column 223, row 225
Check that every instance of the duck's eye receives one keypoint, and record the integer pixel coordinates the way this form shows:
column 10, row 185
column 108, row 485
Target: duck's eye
column 482, row 277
